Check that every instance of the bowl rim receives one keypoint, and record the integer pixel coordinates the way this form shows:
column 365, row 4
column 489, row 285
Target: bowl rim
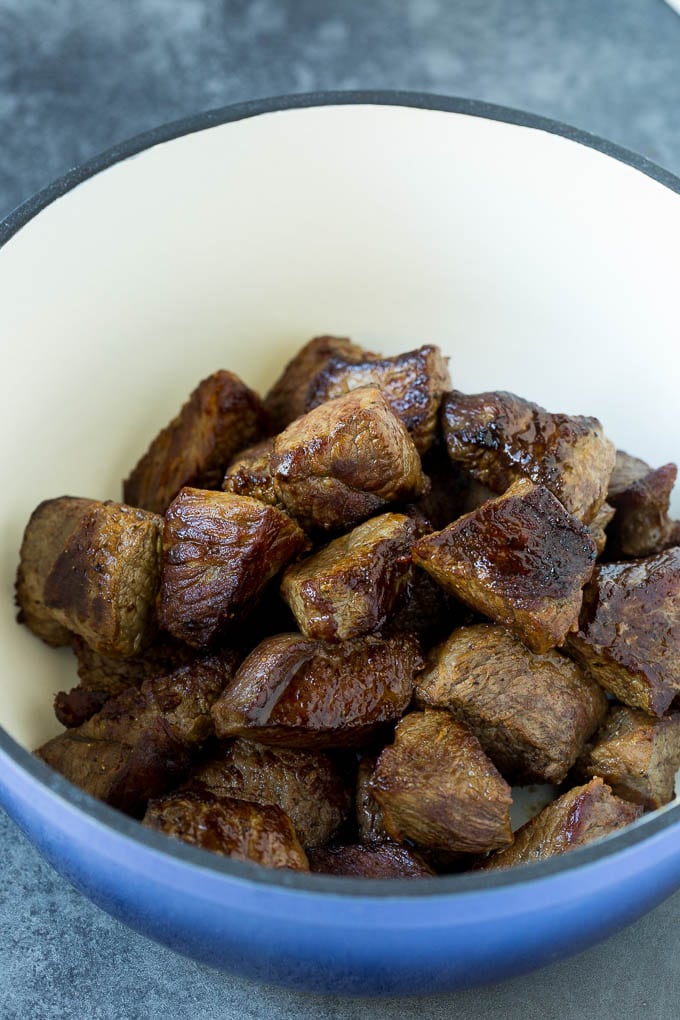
column 106, row 817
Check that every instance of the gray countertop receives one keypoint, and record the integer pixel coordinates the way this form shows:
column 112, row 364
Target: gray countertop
column 78, row 76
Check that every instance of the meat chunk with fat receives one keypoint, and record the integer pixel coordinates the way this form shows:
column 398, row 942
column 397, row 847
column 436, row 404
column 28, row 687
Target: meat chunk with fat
column 349, row 587
column 531, row 713
column 574, row 819
column 219, row 553
column 381, row 860
column 413, row 384
column 299, row 692
column 221, row 417
column 629, row 630
column 520, row 559
column 308, row 785
column 345, row 461
column 103, row 583
column 641, row 497
column 500, row 437
column 234, row 828
column 437, row 788
column 637, row 756
column 50, row 526
column 142, row 742
column 250, row 474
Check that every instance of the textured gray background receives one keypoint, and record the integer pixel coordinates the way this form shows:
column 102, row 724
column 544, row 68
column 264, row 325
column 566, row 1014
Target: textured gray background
column 78, row 76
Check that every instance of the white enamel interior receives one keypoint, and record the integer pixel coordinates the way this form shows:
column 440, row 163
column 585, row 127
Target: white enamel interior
column 539, row 265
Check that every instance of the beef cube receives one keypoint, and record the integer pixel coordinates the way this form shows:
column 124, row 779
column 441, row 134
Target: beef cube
column 307, row 785
column 249, row 474
column 629, row 631
column 345, row 461
column 437, row 788
column 219, row 553
column 221, row 417
column 637, row 756
column 386, row 860
column 102, row 677
column 413, row 384
column 369, row 816
column 598, row 526
column 641, row 497
column 103, row 583
column 520, row 559
column 51, row 525
column 234, row 828
column 299, row 692
column 531, row 713
column 349, row 587
column 500, row 437
column 574, row 819
column 287, row 398
column 141, row 742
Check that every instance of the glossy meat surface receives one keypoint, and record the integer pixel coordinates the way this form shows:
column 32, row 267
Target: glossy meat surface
column 386, row 860
column 531, row 713
column 520, row 559
column 221, row 417
column 500, row 437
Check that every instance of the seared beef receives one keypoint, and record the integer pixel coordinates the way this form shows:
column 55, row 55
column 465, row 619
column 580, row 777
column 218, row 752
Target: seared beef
column 298, row 692
column 386, row 860
column 249, row 474
column 413, row 384
column 224, row 825
column 629, row 633
column 574, row 819
column 345, row 461
column 287, row 398
column 350, row 586
column 370, row 825
column 531, row 713
column 636, row 755
column 520, row 559
column 437, row 788
column 141, row 743
column 641, row 497
column 51, row 525
column 103, row 584
column 221, row 417
column 500, row 437
column 307, row 785
column 219, row 552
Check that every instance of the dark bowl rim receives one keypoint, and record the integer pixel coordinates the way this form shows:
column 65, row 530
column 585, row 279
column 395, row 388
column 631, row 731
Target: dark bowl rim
column 301, row 882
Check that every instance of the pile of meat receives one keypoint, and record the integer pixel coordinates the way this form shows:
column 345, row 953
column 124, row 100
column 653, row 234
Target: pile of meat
column 328, row 629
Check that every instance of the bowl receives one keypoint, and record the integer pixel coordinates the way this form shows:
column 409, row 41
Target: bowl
column 541, row 259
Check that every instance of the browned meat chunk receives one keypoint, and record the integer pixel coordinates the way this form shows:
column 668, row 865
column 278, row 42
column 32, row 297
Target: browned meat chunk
column 437, row 788
column 636, row 755
column 350, row 586
column 413, row 384
column 249, row 474
column 307, row 785
column 221, row 417
column 520, row 559
column 234, row 828
column 499, row 438
column 574, row 819
column 141, row 743
column 344, row 461
column 287, row 398
column 103, row 583
column 629, row 633
column 385, row 860
column 298, row 692
column 369, row 817
column 598, row 526
column 641, row 496
column 219, row 553
column 102, row 677
column 47, row 532
column 531, row 713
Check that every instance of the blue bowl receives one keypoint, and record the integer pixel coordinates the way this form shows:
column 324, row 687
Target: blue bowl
column 303, row 931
